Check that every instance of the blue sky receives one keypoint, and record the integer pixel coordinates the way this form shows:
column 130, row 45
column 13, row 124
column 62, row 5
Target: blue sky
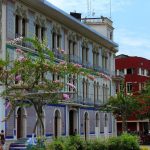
column 131, row 20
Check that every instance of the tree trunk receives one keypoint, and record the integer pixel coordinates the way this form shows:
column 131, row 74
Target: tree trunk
column 39, row 112
column 124, row 124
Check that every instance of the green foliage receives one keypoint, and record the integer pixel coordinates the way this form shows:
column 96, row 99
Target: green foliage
column 56, row 145
column 97, row 144
column 129, row 142
column 123, row 142
column 123, row 106
column 74, row 143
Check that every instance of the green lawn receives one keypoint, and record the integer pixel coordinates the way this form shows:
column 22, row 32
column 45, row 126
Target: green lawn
column 145, row 147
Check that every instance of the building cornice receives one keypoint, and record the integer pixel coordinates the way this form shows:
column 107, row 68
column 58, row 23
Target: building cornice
column 58, row 15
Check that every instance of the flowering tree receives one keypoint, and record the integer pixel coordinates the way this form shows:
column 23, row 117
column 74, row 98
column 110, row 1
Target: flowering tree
column 122, row 106
column 26, row 81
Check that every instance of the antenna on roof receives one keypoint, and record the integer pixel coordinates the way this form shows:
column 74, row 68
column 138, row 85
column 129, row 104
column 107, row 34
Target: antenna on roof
column 88, row 8
column 110, row 9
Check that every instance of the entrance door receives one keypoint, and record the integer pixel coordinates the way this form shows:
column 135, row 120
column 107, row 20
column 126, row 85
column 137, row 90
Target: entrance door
column 86, row 122
column 57, row 124
column 21, row 123
column 71, row 122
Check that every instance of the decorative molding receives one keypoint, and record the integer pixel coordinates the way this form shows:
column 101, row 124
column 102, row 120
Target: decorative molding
column 72, row 36
column 56, row 28
column 104, row 52
column 40, row 20
column 95, row 48
column 21, row 11
column 85, row 43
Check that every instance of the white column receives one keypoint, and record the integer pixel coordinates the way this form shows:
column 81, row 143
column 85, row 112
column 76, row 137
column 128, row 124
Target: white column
column 79, row 123
column 2, row 110
column 125, row 71
column 138, row 126
column 67, row 120
column 3, row 55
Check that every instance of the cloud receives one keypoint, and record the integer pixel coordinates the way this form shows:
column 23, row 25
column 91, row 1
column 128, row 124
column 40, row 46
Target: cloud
column 133, row 43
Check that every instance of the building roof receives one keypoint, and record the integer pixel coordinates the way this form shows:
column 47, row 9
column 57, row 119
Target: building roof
column 62, row 17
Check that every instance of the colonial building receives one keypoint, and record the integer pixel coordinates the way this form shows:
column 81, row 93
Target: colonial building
column 136, row 71
column 84, row 46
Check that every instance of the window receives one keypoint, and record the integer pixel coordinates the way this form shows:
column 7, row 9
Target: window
column 130, row 71
column 53, row 40
column 17, row 26
column 104, row 61
column 37, row 31
column 111, row 36
column 95, row 58
column 129, row 87
column 56, row 40
column 23, row 27
column 85, row 89
column 142, row 72
column 95, row 92
column 20, row 26
column 42, row 33
column 85, row 55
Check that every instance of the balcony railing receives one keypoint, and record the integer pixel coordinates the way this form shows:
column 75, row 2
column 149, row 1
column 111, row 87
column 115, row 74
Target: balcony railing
column 118, row 75
column 100, row 69
column 86, row 64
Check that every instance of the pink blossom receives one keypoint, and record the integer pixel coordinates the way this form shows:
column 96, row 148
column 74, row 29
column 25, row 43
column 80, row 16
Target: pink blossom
column 8, row 104
column 22, row 59
column 71, row 85
column 56, row 81
column 18, row 78
column 66, row 96
column 62, row 63
column 77, row 65
column 62, row 50
column 19, row 50
column 91, row 77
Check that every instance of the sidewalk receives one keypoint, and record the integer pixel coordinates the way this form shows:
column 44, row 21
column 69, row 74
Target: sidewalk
column 145, row 146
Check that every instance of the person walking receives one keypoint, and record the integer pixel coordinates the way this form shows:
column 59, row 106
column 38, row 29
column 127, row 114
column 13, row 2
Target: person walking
column 2, row 140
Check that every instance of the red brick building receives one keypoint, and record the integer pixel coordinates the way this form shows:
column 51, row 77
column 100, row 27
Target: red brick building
column 136, row 72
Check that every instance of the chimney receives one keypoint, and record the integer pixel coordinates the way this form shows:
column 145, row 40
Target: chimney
column 76, row 15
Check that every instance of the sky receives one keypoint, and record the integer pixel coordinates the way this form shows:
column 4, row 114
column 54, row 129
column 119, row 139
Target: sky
column 131, row 20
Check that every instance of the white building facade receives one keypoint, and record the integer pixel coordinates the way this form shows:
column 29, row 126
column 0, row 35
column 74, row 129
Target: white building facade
column 84, row 46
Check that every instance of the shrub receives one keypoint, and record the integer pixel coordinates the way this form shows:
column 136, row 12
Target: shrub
column 57, row 144
column 97, row 144
column 114, row 143
column 74, row 143
column 129, row 142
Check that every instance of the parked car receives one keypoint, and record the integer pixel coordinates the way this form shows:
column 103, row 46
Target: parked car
column 22, row 144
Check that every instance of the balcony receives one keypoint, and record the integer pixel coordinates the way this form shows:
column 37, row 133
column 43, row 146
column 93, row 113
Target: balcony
column 79, row 100
column 86, row 64
column 74, row 59
column 118, row 76
column 100, row 69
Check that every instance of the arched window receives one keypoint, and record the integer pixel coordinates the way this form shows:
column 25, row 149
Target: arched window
column 57, row 124
column 106, row 120
column 97, row 120
column 86, row 125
